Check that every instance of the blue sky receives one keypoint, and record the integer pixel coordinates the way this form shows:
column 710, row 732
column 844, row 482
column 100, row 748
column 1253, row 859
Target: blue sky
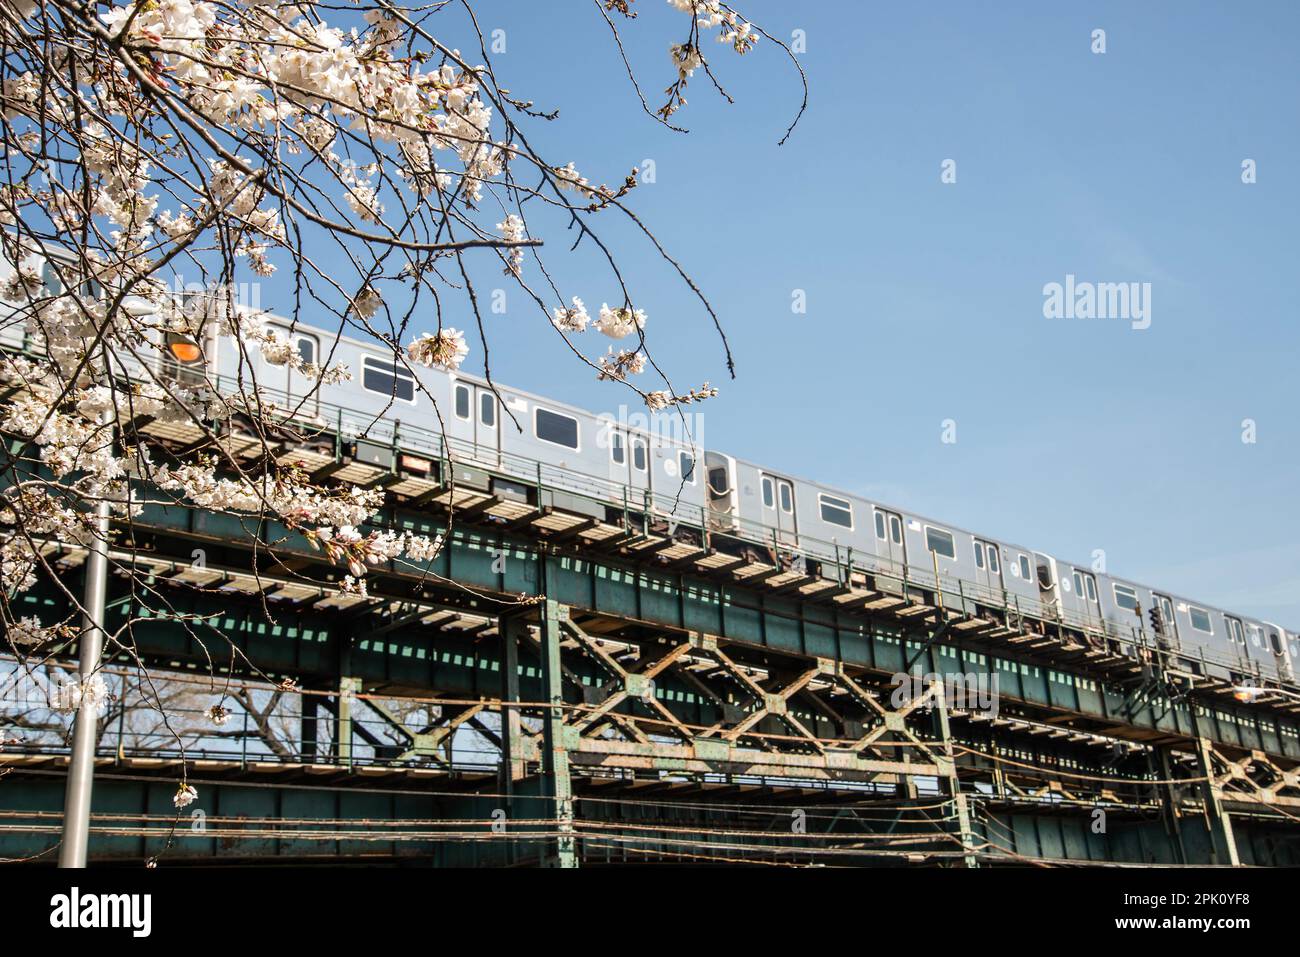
column 925, row 300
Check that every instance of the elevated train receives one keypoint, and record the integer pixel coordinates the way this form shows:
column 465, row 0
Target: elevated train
column 751, row 506
column 620, row 472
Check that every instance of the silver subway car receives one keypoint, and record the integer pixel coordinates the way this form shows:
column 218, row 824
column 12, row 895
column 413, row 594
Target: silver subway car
column 510, row 442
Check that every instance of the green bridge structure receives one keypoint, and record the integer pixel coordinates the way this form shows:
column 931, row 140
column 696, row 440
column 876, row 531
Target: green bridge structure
column 557, row 688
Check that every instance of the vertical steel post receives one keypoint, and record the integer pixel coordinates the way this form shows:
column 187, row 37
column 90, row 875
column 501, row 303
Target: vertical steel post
column 81, row 769
column 948, row 765
column 1223, row 844
column 307, row 725
column 1172, row 810
column 510, row 629
column 343, row 725
column 512, row 759
column 555, row 759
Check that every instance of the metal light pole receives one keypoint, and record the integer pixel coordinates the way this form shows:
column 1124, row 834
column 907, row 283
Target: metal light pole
column 81, row 770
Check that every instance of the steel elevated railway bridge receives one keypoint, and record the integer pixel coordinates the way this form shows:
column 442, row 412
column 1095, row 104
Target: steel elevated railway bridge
column 554, row 689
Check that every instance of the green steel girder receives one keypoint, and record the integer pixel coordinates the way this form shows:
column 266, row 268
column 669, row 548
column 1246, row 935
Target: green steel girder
column 683, row 602
column 665, row 825
column 197, row 835
column 506, row 565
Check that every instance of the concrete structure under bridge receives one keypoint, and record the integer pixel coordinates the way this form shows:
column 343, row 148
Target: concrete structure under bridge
column 554, row 689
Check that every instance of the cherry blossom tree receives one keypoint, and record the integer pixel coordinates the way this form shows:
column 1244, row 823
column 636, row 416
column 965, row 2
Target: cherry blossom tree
column 224, row 142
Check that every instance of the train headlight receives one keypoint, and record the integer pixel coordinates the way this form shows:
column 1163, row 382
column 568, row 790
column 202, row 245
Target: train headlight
column 185, row 351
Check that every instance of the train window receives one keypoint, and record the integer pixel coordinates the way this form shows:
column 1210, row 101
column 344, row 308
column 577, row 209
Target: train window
column 1078, row 583
column 979, row 555
column 786, row 493
column 307, row 349
column 836, row 511
column 1201, row 621
column 616, row 450
column 638, row 455
column 1025, row 573
column 880, row 525
column 718, row 483
column 896, row 529
column 1126, row 597
column 1085, row 586
column 769, row 496
column 940, row 542
column 1091, row 584
column 994, row 567
column 555, row 428
column 1276, row 642
column 487, row 409
column 387, row 378
column 687, row 463
column 462, row 401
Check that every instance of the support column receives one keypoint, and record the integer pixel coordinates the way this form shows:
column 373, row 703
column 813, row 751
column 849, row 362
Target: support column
column 307, row 727
column 512, row 761
column 1173, row 807
column 556, row 783
column 1222, row 843
column 85, row 735
column 947, row 762
column 343, row 725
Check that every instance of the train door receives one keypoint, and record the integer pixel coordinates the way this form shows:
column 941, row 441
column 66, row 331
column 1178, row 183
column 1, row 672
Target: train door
column 629, row 464
column 487, row 426
column 286, row 387
column 1237, row 637
column 1167, row 630
column 620, row 459
column 889, row 540
column 778, row 507
column 988, row 570
column 640, row 486
column 1087, row 600
column 304, row 389
column 460, row 424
